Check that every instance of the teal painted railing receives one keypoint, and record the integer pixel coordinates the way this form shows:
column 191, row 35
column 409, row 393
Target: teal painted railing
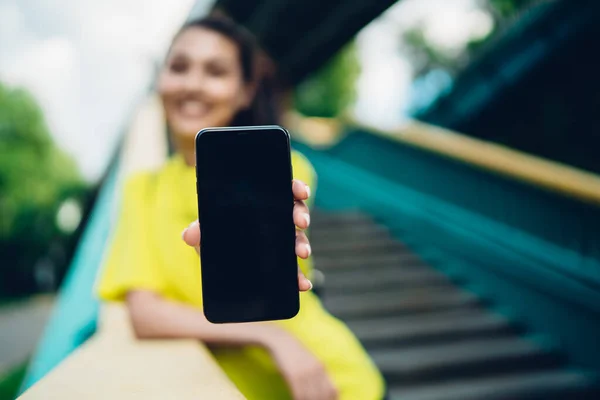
column 75, row 314
column 533, row 253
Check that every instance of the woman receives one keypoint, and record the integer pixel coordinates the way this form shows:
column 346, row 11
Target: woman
column 209, row 80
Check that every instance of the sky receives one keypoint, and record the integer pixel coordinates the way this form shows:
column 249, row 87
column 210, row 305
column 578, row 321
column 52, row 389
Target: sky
column 385, row 87
column 89, row 62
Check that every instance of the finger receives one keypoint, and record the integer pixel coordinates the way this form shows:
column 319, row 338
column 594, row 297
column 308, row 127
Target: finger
column 304, row 285
column 304, row 389
column 323, row 387
column 300, row 189
column 315, row 390
column 191, row 235
column 331, row 392
column 335, row 393
column 298, row 391
column 296, row 386
column 301, row 215
column 303, row 249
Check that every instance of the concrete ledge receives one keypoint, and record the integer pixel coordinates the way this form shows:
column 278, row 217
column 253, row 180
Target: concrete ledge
column 113, row 364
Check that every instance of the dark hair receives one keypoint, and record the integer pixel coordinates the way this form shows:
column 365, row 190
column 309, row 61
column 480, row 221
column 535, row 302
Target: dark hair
column 262, row 110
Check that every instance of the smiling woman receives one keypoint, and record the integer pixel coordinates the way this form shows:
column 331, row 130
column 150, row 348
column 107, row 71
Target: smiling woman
column 210, row 79
column 206, row 85
column 211, row 85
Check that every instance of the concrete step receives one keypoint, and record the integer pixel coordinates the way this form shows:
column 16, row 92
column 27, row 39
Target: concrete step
column 401, row 302
column 339, row 219
column 351, row 261
column 461, row 360
column 431, row 340
column 370, row 279
column 445, row 326
column 538, row 385
column 335, row 234
column 370, row 246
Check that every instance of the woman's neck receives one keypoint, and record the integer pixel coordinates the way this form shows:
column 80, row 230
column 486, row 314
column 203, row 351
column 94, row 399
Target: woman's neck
column 185, row 147
column 189, row 157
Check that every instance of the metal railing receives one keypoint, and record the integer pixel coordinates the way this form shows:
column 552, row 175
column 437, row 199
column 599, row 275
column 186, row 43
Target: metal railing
column 499, row 159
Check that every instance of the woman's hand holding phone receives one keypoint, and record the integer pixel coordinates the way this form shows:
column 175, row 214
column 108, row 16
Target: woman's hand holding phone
column 304, row 373
column 191, row 235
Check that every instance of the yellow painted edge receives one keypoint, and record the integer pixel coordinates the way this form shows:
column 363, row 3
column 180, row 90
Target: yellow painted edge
column 524, row 167
column 314, row 131
column 544, row 173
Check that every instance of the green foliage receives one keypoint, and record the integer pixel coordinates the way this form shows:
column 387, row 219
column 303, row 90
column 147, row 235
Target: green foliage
column 35, row 177
column 331, row 90
column 426, row 56
column 508, row 8
column 10, row 382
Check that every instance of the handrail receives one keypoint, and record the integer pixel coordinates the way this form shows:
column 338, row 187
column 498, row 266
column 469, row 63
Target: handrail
column 113, row 364
column 549, row 175
column 74, row 316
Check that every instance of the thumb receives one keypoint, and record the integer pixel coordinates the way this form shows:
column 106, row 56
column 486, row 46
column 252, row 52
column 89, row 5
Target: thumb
column 191, row 235
column 304, row 285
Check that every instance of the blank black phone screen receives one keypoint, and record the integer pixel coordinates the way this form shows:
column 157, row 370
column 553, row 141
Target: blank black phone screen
column 245, row 207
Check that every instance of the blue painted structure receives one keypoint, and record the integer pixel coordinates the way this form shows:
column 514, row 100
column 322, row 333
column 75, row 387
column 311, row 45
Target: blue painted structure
column 75, row 314
column 533, row 254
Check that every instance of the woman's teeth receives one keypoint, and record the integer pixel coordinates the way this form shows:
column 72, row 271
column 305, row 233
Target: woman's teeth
column 193, row 108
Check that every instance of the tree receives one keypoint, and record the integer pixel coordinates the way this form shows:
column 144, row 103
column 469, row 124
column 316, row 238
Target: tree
column 507, row 8
column 35, row 178
column 427, row 56
column 331, row 90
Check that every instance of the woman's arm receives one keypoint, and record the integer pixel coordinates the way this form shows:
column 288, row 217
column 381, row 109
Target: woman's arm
column 154, row 317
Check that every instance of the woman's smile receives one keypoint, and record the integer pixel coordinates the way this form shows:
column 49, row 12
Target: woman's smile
column 192, row 108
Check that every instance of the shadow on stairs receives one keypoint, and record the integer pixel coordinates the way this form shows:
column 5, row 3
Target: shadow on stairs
column 431, row 340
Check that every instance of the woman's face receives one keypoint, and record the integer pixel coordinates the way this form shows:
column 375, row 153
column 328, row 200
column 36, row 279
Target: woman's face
column 202, row 83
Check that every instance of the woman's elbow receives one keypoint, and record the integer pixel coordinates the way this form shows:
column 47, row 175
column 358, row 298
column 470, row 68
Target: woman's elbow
column 142, row 331
column 139, row 305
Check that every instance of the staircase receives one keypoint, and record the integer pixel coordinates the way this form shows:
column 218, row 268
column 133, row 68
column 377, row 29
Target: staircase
column 430, row 339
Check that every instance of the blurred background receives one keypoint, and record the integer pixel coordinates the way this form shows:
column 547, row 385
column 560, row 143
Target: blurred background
column 473, row 129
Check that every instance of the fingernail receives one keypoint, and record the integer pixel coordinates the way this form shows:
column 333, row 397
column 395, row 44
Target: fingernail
column 309, row 284
column 307, row 219
column 308, row 249
column 307, row 191
column 183, row 233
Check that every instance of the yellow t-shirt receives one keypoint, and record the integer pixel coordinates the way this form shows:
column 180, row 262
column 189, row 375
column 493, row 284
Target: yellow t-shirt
column 147, row 253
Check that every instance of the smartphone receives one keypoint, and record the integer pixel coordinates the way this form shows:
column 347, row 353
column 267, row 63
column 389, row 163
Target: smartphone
column 248, row 236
